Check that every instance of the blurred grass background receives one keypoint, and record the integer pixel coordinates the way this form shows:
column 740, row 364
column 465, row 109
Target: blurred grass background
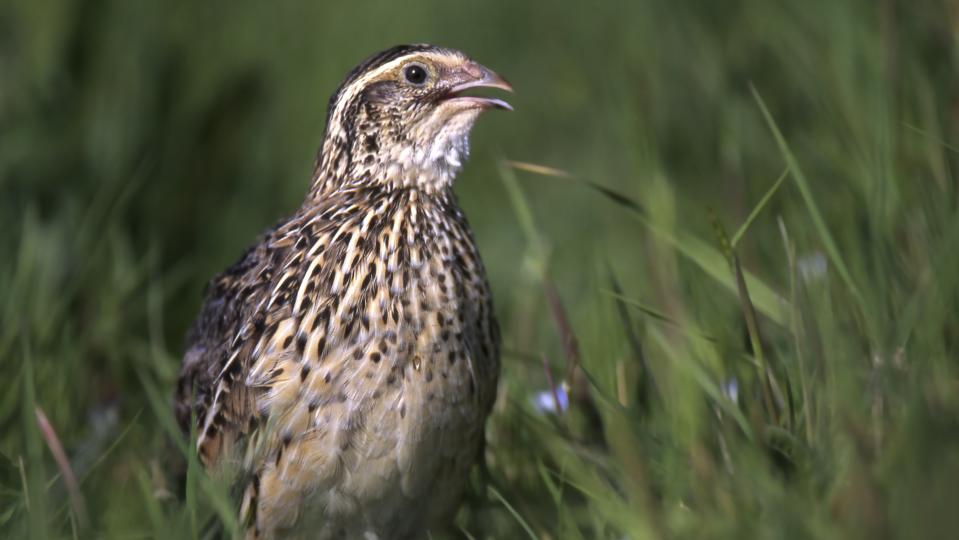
column 144, row 144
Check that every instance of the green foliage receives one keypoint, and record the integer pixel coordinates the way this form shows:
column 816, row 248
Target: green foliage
column 799, row 380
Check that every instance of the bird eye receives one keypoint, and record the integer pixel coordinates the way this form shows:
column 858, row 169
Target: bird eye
column 415, row 74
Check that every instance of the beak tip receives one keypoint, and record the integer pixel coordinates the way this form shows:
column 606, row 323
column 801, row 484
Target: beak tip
column 487, row 77
column 475, row 75
column 498, row 81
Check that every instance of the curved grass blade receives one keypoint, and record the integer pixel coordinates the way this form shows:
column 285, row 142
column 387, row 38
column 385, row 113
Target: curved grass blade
column 767, row 301
column 758, row 208
column 818, row 221
column 519, row 519
column 655, row 314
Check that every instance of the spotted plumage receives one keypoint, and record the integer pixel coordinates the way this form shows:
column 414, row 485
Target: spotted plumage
column 342, row 370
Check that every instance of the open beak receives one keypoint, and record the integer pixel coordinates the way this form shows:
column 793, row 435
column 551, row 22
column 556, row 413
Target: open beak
column 474, row 75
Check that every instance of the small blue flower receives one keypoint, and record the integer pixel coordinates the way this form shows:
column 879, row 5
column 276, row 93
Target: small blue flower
column 813, row 266
column 544, row 401
column 731, row 389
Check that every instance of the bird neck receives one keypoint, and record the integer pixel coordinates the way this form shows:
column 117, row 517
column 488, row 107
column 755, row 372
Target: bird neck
column 376, row 150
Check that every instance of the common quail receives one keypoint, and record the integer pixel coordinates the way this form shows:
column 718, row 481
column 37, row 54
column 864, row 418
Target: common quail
column 342, row 370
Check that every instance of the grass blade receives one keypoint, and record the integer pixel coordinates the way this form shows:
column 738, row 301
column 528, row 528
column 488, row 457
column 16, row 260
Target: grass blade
column 519, row 519
column 758, row 208
column 768, row 302
column 818, row 221
column 749, row 316
column 655, row 314
column 218, row 499
column 648, row 383
column 66, row 471
column 523, row 213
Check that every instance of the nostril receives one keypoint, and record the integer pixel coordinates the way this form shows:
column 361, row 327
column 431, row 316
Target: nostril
column 474, row 70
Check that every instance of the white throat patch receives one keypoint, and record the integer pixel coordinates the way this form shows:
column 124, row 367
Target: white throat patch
column 436, row 164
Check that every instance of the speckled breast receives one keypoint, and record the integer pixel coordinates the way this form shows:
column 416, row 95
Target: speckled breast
column 375, row 371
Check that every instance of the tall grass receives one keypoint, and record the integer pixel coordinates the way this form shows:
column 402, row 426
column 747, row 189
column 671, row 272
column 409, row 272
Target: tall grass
column 723, row 241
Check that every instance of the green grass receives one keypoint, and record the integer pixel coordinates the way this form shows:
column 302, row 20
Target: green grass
column 747, row 352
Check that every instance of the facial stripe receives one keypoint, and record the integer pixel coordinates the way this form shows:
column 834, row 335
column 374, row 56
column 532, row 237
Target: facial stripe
column 360, row 79
column 373, row 63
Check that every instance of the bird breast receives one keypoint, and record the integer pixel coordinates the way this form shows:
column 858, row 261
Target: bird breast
column 380, row 349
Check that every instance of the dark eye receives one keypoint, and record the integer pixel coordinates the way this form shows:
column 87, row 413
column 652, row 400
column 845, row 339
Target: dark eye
column 415, row 74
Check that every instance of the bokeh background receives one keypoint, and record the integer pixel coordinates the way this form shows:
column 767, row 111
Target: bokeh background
column 144, row 144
